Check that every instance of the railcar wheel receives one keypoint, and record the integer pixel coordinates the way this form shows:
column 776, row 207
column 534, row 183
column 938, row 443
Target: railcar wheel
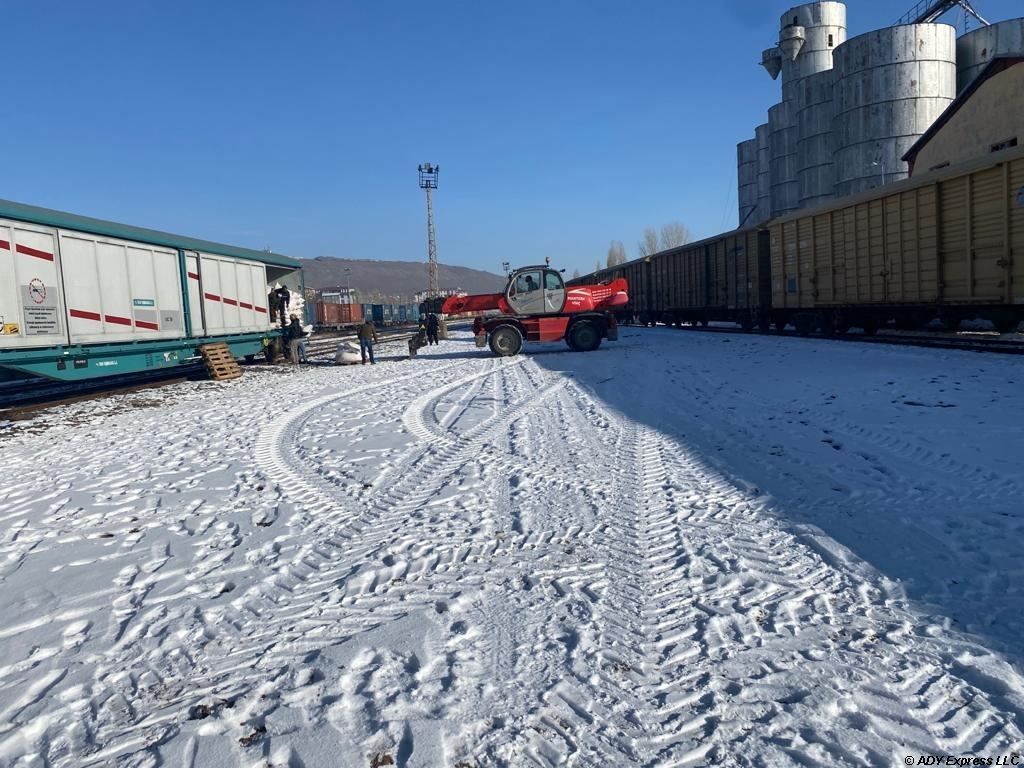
column 1004, row 322
column 805, row 323
column 585, row 337
column 506, row 341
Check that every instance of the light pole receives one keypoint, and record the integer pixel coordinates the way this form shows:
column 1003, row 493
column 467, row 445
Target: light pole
column 428, row 181
column 348, row 297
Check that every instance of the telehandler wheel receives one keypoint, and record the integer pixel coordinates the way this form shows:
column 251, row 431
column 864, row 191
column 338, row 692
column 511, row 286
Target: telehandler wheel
column 584, row 337
column 506, row 341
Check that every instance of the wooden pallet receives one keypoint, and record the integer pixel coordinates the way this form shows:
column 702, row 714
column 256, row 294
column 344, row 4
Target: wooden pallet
column 220, row 362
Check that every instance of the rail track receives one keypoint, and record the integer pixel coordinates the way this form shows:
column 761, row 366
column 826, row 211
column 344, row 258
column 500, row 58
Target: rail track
column 21, row 398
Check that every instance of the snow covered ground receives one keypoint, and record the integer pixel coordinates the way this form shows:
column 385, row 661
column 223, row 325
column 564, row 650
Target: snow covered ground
column 681, row 549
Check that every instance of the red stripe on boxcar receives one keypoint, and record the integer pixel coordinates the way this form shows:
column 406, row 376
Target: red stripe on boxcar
column 193, row 275
column 83, row 315
column 117, row 320
column 5, row 245
column 232, row 302
column 245, row 305
column 36, row 253
column 212, row 296
column 261, row 309
column 147, row 326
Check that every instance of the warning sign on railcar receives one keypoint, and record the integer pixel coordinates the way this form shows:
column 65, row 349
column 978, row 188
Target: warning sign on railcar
column 39, row 309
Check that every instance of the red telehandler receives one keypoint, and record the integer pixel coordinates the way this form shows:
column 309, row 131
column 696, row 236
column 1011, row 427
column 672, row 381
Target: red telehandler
column 537, row 306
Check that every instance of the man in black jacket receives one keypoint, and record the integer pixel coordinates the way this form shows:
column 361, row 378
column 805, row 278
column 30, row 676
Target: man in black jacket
column 367, row 338
column 284, row 297
column 296, row 341
column 432, row 326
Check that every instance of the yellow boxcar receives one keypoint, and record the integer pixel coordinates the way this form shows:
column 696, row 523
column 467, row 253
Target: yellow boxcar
column 936, row 245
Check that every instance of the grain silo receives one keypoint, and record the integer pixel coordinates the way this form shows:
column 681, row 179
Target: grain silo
column 764, row 176
column 889, row 86
column 976, row 49
column 808, row 34
column 814, row 143
column 785, row 194
column 746, row 163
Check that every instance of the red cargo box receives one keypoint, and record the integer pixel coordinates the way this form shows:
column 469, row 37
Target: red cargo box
column 337, row 314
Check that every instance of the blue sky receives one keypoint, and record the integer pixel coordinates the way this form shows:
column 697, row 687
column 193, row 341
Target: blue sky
column 558, row 126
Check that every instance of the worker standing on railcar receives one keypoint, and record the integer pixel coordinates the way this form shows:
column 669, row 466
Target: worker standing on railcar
column 273, row 305
column 367, row 338
column 284, row 298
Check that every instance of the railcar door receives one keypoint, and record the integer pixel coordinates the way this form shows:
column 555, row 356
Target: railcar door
column 32, row 308
column 197, row 310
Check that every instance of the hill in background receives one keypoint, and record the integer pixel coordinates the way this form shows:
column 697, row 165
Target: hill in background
column 394, row 278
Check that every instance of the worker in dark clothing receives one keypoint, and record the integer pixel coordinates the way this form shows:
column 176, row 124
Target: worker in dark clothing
column 296, row 341
column 432, row 326
column 479, row 331
column 367, row 338
column 273, row 305
column 284, row 298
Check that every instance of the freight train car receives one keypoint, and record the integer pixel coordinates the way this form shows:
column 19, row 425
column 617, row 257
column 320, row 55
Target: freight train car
column 83, row 298
column 723, row 278
column 946, row 245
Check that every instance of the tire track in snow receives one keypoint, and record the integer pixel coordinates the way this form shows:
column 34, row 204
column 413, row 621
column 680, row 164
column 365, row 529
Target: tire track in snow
column 331, row 589
column 712, row 618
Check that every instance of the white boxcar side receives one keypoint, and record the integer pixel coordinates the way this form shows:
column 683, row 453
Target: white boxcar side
column 31, row 300
column 116, row 290
column 234, row 294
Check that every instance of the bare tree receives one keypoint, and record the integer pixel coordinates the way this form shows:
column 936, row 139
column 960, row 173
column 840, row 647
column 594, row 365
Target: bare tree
column 674, row 235
column 649, row 245
column 616, row 253
column 597, row 267
column 575, row 274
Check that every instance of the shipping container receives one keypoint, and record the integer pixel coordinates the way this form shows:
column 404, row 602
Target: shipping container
column 403, row 313
column 377, row 313
column 330, row 315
